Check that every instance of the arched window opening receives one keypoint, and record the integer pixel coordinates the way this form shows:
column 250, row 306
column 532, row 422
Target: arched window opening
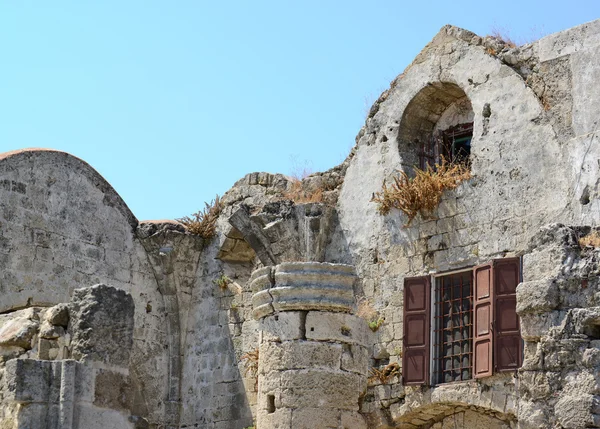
column 436, row 124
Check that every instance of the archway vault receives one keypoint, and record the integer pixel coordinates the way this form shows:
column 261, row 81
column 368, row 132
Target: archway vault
column 455, row 415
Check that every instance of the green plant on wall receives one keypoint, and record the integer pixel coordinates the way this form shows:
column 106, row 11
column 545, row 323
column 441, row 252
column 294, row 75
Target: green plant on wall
column 222, row 281
column 375, row 324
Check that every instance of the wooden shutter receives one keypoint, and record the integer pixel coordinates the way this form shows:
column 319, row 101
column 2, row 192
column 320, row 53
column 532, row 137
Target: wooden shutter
column 508, row 343
column 483, row 315
column 417, row 316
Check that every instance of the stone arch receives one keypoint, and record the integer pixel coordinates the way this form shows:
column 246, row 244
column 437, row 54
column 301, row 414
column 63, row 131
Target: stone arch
column 455, row 415
column 436, row 107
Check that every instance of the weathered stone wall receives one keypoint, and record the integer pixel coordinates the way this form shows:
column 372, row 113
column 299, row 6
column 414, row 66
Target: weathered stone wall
column 560, row 315
column 526, row 131
column 78, row 378
column 534, row 159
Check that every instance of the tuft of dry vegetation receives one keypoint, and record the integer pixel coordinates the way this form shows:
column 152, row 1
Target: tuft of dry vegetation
column 251, row 365
column 422, row 193
column 385, row 374
column 204, row 222
column 366, row 311
column 299, row 193
column 502, row 35
column 590, row 240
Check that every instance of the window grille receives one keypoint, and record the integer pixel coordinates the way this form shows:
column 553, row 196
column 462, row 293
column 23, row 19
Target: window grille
column 453, row 144
column 453, row 346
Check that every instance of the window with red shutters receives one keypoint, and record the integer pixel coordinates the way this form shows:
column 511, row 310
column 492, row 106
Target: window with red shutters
column 475, row 324
column 417, row 316
column 483, row 338
column 507, row 330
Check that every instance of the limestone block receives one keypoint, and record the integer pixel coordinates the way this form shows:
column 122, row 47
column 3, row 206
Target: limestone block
column 355, row 358
column 315, row 418
column 532, row 415
column 58, row 315
column 32, row 416
column 576, row 411
column 353, row 420
column 112, row 390
column 298, row 355
column 18, row 332
column 269, row 384
column 321, row 389
column 27, row 380
column 101, row 325
column 536, row 384
column 538, row 296
column 284, row 326
column 48, row 349
column 535, row 326
column 279, row 419
column 341, row 327
column 50, row 332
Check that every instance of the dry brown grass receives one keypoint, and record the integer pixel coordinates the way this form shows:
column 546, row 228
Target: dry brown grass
column 491, row 51
column 502, row 35
column 300, row 193
column 204, row 222
column 422, row 193
column 366, row 311
column 385, row 374
column 590, row 240
column 251, row 365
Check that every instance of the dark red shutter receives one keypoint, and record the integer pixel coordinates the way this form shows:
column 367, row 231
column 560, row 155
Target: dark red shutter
column 509, row 346
column 417, row 316
column 483, row 315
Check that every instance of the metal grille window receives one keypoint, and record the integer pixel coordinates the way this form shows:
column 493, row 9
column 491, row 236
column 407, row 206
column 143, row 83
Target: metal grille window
column 462, row 325
column 453, row 328
column 453, row 144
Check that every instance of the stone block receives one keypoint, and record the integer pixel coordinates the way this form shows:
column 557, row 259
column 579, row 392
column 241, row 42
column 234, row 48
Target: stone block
column 341, row 327
column 538, row 296
column 284, row 326
column 536, row 326
column 101, row 325
column 112, row 390
column 315, row 418
column 299, row 355
column 321, row 389
column 355, row 358
column 353, row 420
column 27, row 380
column 279, row 419
column 58, row 315
column 32, row 416
column 48, row 349
column 574, row 412
column 18, row 332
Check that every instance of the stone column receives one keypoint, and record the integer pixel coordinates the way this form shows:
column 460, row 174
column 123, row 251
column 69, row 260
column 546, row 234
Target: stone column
column 313, row 360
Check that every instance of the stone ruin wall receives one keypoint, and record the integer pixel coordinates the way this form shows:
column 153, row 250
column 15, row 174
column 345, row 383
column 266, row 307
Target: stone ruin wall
column 535, row 163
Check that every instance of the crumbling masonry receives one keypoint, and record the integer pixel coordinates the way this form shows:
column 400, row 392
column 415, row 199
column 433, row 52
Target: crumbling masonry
column 482, row 314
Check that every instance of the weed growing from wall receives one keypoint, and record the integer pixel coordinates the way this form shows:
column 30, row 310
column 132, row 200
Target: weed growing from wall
column 366, row 311
column 385, row 374
column 204, row 222
column 590, row 240
column 222, row 281
column 251, row 365
column 422, row 193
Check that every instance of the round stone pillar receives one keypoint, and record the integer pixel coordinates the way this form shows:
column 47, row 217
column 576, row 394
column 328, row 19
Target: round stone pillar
column 313, row 358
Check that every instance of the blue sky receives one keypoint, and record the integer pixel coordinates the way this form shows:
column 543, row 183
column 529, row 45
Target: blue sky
column 172, row 102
